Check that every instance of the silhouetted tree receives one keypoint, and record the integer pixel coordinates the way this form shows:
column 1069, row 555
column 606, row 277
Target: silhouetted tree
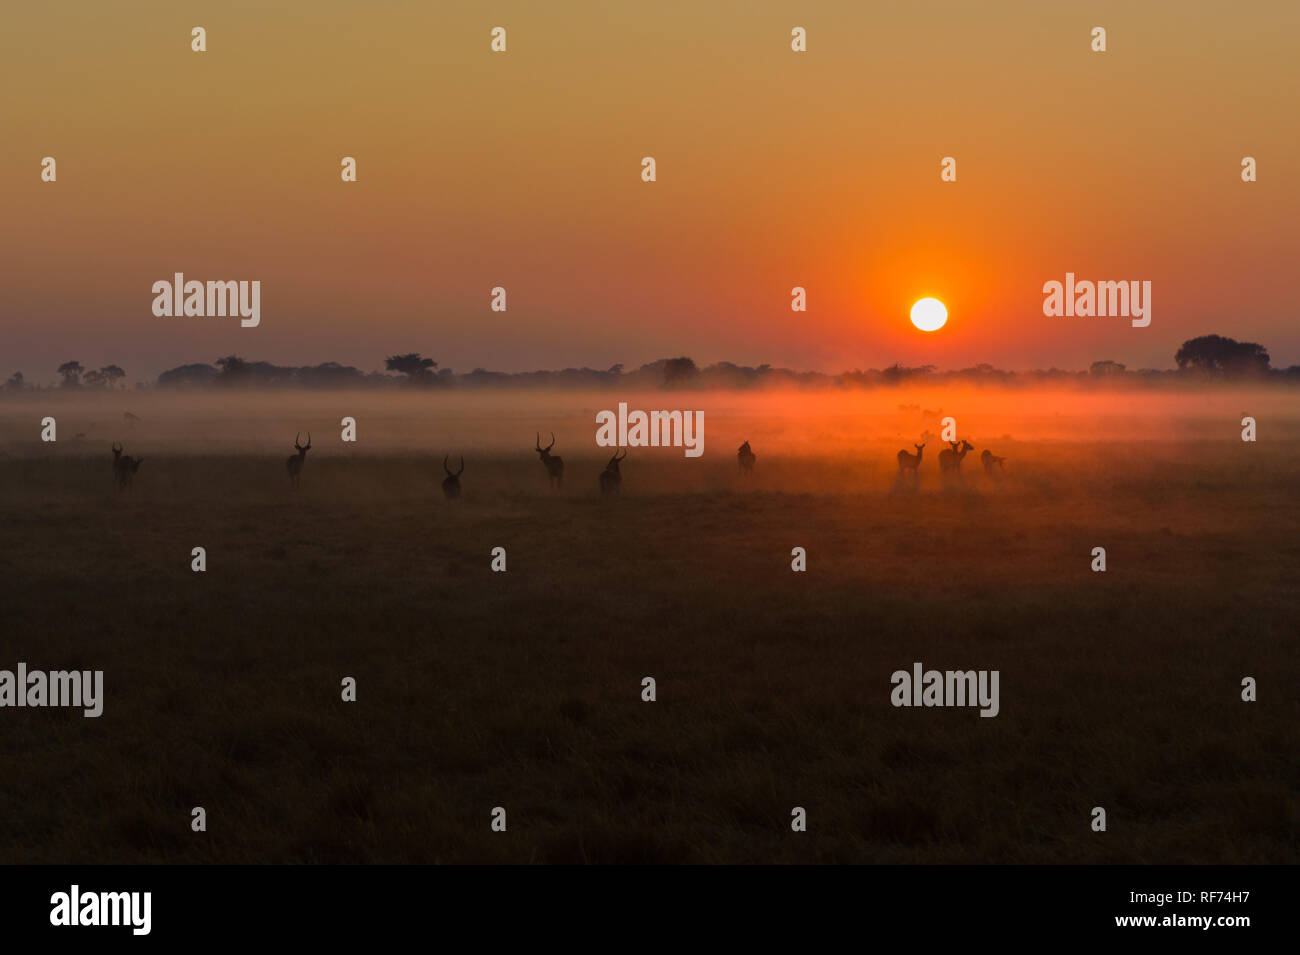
column 234, row 370
column 15, row 382
column 896, row 374
column 983, row 373
column 418, row 371
column 1223, row 357
column 71, row 372
column 103, row 378
column 679, row 371
column 187, row 376
column 1101, row 369
column 329, row 375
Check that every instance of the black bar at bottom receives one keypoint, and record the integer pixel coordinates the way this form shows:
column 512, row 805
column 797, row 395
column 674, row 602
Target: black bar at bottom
column 333, row 904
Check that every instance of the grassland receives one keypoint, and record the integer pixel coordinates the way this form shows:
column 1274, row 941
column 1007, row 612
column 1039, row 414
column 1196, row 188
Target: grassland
column 479, row 689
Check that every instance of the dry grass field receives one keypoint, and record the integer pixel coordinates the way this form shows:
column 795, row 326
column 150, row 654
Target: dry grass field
column 522, row 689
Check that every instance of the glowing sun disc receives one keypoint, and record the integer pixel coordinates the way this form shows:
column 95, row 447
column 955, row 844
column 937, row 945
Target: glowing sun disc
column 929, row 314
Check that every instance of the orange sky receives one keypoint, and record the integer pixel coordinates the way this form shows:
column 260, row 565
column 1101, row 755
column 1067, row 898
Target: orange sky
column 775, row 169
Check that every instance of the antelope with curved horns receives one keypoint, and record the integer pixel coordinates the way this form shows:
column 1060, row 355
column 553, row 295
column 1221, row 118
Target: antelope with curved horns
column 611, row 481
column 554, row 463
column 910, row 462
column 451, row 483
column 295, row 462
column 746, row 457
column 950, row 458
column 991, row 461
column 124, row 467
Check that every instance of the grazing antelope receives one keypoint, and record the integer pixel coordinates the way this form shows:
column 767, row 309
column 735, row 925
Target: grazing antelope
column 746, row 457
column 991, row 462
column 554, row 463
column 611, row 481
column 295, row 461
column 124, row 467
column 451, row 483
column 910, row 462
column 950, row 458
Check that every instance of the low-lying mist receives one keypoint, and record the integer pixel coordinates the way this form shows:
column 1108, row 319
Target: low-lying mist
column 784, row 423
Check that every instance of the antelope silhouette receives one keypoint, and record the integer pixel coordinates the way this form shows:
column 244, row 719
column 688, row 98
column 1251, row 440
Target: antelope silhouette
column 910, row 462
column 295, row 462
column 554, row 463
column 124, row 467
column 991, row 462
column 950, row 458
column 611, row 480
column 451, row 483
column 746, row 458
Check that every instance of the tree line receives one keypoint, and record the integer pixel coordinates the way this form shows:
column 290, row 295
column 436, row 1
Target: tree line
column 1205, row 358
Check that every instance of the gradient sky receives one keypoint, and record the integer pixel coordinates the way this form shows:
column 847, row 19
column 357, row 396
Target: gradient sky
column 775, row 169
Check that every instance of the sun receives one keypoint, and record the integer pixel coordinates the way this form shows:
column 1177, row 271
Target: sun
column 929, row 314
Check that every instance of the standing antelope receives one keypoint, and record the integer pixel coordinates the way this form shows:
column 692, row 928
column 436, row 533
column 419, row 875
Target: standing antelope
column 910, row 462
column 554, row 463
column 124, row 467
column 295, row 462
column 451, row 484
column 950, row 458
column 611, row 481
column 991, row 461
column 746, row 457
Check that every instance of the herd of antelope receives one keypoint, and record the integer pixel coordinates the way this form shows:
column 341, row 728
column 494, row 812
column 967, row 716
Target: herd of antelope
column 949, row 460
column 611, row 479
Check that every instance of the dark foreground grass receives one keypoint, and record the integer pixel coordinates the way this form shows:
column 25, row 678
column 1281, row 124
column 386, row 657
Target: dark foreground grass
column 522, row 689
